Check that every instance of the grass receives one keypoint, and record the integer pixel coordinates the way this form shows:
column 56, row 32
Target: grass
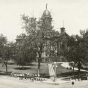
column 32, row 68
column 44, row 71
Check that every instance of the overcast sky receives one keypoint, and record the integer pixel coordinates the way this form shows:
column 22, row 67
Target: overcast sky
column 73, row 12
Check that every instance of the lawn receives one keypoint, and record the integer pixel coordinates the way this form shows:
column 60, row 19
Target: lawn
column 44, row 71
column 32, row 68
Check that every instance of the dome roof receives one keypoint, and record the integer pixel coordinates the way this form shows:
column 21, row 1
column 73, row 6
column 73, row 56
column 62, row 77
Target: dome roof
column 46, row 13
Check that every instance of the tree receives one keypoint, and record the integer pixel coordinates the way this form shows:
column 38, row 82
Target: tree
column 76, row 51
column 25, row 52
column 3, row 41
column 6, row 56
column 85, row 38
column 38, row 32
column 4, row 53
column 70, row 53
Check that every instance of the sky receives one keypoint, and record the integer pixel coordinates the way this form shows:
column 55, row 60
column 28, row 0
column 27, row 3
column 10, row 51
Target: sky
column 74, row 13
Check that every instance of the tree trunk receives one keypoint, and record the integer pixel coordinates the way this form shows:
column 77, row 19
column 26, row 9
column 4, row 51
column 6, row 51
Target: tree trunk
column 39, row 60
column 38, row 67
column 20, row 61
column 78, row 73
column 79, row 66
column 6, row 67
column 73, row 70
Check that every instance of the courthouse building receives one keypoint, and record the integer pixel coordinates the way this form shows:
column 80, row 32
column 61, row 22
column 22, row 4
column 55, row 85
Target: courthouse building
column 55, row 44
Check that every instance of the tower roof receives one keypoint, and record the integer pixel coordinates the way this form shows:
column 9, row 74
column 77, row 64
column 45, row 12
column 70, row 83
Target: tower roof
column 46, row 13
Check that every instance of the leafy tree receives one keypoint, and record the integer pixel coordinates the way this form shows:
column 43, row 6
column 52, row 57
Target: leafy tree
column 3, row 41
column 85, row 38
column 76, row 51
column 39, row 33
column 4, row 50
column 24, row 52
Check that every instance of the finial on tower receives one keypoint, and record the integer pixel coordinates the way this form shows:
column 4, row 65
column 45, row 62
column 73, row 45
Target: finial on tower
column 46, row 6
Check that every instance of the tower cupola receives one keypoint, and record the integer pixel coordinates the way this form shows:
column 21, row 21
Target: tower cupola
column 46, row 13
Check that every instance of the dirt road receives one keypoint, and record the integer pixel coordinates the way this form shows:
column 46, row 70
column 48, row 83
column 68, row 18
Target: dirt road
column 11, row 82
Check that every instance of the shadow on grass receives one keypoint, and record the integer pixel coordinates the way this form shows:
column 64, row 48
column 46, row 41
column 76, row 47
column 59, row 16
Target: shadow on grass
column 44, row 75
column 27, row 64
column 4, row 73
column 30, row 64
column 22, row 68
